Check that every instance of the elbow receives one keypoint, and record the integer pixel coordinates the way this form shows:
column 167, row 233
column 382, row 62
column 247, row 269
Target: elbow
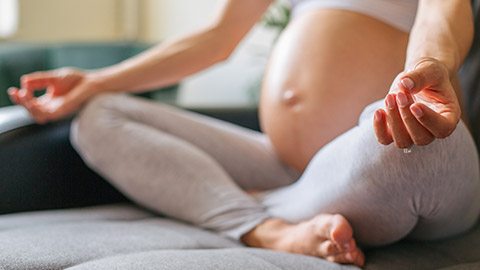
column 225, row 41
column 224, row 48
column 224, row 53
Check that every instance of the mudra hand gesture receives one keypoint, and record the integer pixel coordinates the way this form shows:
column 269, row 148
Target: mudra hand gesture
column 420, row 106
column 66, row 92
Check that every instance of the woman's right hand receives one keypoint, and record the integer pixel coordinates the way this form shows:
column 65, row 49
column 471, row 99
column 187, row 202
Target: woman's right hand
column 67, row 90
column 421, row 105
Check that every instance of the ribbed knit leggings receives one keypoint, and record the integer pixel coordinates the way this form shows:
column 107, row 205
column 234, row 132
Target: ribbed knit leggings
column 195, row 168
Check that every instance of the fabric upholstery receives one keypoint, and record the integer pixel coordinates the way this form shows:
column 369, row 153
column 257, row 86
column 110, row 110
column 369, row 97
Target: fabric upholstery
column 126, row 237
column 123, row 236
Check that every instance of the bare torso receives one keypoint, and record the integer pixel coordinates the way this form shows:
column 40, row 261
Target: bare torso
column 326, row 67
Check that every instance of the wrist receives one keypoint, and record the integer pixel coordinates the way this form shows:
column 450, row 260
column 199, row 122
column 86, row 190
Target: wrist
column 414, row 64
column 98, row 82
column 90, row 86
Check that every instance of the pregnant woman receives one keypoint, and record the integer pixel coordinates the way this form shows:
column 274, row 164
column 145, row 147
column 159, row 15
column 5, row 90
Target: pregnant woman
column 333, row 167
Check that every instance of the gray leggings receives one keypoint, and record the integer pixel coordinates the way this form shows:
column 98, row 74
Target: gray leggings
column 194, row 168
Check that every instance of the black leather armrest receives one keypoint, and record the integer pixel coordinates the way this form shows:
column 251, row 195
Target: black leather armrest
column 39, row 169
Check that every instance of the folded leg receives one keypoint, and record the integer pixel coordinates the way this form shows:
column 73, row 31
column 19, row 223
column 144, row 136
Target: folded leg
column 386, row 194
column 178, row 163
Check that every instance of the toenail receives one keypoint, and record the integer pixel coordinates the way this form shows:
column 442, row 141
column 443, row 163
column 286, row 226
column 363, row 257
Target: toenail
column 349, row 257
column 346, row 245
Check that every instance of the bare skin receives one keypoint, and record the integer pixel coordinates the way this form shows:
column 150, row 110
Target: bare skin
column 325, row 236
column 312, row 104
column 439, row 42
column 306, row 99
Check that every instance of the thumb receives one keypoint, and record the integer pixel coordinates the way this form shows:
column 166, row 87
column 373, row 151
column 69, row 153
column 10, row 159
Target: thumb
column 427, row 73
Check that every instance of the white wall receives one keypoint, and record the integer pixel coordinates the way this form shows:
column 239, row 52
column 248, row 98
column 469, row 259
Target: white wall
column 68, row 20
column 104, row 20
column 227, row 84
column 235, row 82
column 164, row 19
column 232, row 83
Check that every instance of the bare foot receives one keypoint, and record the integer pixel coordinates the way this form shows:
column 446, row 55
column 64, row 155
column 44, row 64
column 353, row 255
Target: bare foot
column 325, row 236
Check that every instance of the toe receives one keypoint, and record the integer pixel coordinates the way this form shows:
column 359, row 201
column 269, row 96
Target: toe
column 349, row 246
column 328, row 248
column 360, row 259
column 355, row 257
column 342, row 258
column 341, row 232
column 333, row 227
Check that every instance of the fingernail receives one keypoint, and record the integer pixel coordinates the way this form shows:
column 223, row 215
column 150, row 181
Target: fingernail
column 346, row 245
column 407, row 83
column 378, row 116
column 416, row 111
column 402, row 99
column 390, row 101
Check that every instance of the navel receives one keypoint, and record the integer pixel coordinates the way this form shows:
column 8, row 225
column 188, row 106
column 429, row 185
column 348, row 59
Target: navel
column 290, row 98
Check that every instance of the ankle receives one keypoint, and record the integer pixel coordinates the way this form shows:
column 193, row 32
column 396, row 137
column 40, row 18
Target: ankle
column 267, row 234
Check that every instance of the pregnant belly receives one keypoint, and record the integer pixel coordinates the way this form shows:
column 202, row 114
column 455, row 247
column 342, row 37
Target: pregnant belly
column 321, row 74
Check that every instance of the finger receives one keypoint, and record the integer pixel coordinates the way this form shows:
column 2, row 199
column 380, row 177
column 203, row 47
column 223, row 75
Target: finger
column 37, row 112
column 24, row 96
column 39, row 76
column 441, row 125
column 397, row 128
column 12, row 93
column 418, row 133
column 381, row 128
column 426, row 73
column 18, row 97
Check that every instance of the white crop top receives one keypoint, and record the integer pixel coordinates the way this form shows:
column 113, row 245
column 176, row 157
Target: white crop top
column 397, row 13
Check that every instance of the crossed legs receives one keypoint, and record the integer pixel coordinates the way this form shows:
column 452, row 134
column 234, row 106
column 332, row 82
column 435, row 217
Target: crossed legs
column 178, row 163
column 386, row 194
column 195, row 169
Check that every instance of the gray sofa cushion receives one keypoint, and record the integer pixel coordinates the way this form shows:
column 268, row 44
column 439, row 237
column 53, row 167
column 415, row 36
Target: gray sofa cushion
column 122, row 236
column 126, row 237
column 208, row 259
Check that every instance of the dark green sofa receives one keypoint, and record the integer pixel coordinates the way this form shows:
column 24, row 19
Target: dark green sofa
column 17, row 59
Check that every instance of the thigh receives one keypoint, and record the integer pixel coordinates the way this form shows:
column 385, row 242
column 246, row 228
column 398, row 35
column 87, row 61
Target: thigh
column 246, row 155
column 385, row 193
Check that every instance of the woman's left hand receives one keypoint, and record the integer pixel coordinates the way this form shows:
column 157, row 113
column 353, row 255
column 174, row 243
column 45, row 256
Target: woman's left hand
column 420, row 106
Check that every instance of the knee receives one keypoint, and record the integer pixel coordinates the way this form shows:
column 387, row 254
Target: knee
column 93, row 113
column 100, row 105
column 90, row 127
